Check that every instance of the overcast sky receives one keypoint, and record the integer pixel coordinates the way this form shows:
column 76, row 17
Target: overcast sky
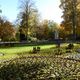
column 48, row 9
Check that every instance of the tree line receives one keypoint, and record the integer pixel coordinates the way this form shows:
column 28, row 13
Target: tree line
column 71, row 18
column 30, row 27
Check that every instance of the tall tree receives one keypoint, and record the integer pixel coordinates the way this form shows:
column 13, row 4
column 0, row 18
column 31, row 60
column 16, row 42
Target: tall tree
column 27, row 10
column 7, row 31
column 33, row 23
column 71, row 16
column 46, row 30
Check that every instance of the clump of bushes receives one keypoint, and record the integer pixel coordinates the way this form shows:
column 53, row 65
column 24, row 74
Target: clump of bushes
column 69, row 48
column 58, row 52
column 36, row 49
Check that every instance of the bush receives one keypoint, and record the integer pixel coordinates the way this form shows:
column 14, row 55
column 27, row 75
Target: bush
column 36, row 49
column 70, row 46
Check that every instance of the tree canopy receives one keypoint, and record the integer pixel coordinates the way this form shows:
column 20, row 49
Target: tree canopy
column 7, row 31
column 71, row 16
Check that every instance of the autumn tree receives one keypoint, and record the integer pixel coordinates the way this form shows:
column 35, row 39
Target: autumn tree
column 28, row 16
column 46, row 30
column 71, row 16
column 7, row 31
column 54, row 27
column 34, row 22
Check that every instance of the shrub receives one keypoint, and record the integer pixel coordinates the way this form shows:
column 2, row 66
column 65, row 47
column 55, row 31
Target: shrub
column 70, row 46
column 34, row 50
column 58, row 51
column 38, row 49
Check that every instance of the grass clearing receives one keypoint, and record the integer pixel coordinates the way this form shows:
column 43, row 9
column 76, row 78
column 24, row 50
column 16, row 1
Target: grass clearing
column 12, row 52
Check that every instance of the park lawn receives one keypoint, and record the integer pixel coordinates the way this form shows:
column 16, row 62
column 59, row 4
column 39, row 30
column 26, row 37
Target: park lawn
column 12, row 52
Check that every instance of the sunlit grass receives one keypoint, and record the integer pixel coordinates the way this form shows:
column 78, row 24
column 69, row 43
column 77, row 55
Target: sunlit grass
column 12, row 52
column 15, row 50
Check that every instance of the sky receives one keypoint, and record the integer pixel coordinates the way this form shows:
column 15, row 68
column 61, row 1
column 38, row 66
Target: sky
column 48, row 9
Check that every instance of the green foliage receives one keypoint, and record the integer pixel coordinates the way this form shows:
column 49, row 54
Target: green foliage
column 70, row 46
column 36, row 49
column 28, row 17
column 46, row 30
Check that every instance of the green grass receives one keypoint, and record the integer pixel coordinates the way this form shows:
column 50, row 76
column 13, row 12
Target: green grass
column 15, row 50
column 12, row 52
column 44, row 67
